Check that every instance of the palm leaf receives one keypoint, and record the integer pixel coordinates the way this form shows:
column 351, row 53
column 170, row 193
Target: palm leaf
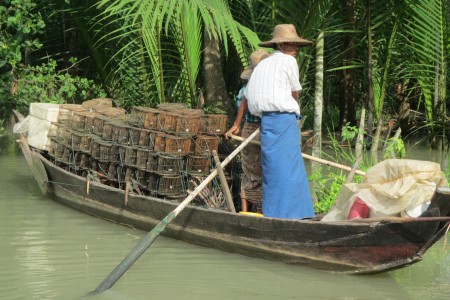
column 187, row 34
column 427, row 38
column 171, row 33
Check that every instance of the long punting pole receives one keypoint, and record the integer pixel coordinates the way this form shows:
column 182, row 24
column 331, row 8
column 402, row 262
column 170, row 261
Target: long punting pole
column 319, row 160
column 146, row 242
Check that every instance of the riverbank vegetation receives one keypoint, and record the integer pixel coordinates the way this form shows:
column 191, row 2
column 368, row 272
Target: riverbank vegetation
column 387, row 57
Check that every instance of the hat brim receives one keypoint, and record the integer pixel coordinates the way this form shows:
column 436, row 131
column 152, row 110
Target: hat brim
column 246, row 73
column 274, row 42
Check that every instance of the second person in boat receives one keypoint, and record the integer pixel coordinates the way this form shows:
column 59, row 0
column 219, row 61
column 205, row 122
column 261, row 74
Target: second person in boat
column 251, row 186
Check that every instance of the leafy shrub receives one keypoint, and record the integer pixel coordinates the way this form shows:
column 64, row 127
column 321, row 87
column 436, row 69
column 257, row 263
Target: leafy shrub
column 394, row 147
column 326, row 189
column 45, row 84
column 19, row 22
column 349, row 132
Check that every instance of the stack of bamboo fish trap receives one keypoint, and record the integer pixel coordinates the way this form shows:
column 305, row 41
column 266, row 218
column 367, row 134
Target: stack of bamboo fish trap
column 162, row 152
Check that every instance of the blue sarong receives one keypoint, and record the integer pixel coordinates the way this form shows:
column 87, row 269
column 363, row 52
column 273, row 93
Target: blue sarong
column 285, row 183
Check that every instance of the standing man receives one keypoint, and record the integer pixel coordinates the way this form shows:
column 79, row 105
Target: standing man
column 272, row 94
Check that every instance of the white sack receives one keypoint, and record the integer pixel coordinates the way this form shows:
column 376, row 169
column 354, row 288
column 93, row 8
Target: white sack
column 390, row 188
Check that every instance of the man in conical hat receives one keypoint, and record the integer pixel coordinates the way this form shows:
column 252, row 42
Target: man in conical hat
column 251, row 186
column 272, row 94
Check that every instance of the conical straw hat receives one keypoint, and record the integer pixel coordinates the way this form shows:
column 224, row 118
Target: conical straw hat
column 284, row 33
column 255, row 58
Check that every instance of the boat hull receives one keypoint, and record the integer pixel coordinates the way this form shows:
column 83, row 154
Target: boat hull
column 351, row 247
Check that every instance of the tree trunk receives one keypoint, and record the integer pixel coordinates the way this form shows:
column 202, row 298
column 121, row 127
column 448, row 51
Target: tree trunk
column 438, row 103
column 318, row 102
column 71, row 41
column 403, row 104
column 348, row 103
column 370, row 104
column 27, row 52
column 318, row 97
column 216, row 98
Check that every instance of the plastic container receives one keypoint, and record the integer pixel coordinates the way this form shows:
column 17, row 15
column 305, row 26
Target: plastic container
column 359, row 210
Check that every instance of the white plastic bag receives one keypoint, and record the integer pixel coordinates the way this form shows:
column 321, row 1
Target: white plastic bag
column 22, row 126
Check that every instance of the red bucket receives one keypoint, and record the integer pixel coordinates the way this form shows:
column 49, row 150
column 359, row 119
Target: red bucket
column 359, row 210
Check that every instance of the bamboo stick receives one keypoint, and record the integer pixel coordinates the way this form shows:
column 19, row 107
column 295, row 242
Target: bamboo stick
column 316, row 159
column 223, row 183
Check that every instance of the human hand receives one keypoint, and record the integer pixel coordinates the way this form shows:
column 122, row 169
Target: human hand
column 307, row 132
column 233, row 130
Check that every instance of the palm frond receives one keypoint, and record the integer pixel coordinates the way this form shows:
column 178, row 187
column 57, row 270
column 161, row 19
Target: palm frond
column 426, row 35
column 171, row 31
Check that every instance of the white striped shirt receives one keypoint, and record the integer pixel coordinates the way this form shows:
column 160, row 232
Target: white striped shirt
column 271, row 84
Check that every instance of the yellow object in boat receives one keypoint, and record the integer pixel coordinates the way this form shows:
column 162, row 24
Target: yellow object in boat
column 251, row 214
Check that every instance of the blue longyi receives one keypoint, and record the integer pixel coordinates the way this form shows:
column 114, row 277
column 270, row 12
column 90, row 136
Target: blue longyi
column 285, row 183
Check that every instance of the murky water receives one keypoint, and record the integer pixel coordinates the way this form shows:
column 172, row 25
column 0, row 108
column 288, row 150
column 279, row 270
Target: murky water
column 49, row 251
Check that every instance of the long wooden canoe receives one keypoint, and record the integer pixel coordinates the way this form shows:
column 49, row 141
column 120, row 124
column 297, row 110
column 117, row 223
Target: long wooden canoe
column 361, row 247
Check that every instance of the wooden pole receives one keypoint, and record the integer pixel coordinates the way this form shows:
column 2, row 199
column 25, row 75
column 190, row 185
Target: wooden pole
column 223, row 183
column 148, row 240
column 358, row 147
column 320, row 160
column 352, row 172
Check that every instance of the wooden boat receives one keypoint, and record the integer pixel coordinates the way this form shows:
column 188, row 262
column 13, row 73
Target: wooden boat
column 364, row 247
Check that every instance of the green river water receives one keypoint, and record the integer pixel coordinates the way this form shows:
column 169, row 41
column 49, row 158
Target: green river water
column 49, row 251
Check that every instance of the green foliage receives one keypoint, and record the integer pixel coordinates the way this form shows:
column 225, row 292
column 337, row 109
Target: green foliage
column 328, row 183
column 339, row 153
column 426, row 54
column 326, row 189
column 163, row 40
column 130, row 89
column 19, row 22
column 45, row 84
column 349, row 132
column 395, row 146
